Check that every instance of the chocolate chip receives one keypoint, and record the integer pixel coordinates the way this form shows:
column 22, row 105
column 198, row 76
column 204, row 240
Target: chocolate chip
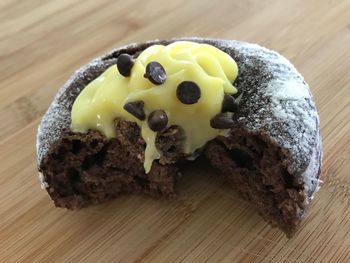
column 188, row 92
column 157, row 120
column 229, row 104
column 135, row 108
column 221, row 121
column 124, row 64
column 155, row 73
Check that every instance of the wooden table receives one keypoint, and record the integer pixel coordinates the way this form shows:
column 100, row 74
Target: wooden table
column 43, row 42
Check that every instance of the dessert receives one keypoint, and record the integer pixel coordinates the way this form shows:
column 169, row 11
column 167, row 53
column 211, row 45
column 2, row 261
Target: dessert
column 124, row 121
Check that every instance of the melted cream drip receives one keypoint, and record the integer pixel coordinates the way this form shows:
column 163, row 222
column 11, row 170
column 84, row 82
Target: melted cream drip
column 102, row 100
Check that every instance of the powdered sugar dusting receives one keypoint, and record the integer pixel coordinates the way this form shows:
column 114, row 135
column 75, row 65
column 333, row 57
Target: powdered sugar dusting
column 288, row 98
column 287, row 90
column 43, row 184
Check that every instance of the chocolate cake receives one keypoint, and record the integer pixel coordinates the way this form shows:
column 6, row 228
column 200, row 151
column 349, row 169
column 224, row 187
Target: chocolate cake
column 271, row 154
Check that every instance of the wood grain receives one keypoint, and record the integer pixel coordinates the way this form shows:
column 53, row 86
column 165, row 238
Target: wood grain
column 43, row 42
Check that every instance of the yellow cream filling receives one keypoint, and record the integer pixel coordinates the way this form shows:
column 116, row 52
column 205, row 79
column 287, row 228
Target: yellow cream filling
column 102, row 100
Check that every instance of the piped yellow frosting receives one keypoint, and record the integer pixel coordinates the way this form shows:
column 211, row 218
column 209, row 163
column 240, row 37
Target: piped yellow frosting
column 214, row 71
